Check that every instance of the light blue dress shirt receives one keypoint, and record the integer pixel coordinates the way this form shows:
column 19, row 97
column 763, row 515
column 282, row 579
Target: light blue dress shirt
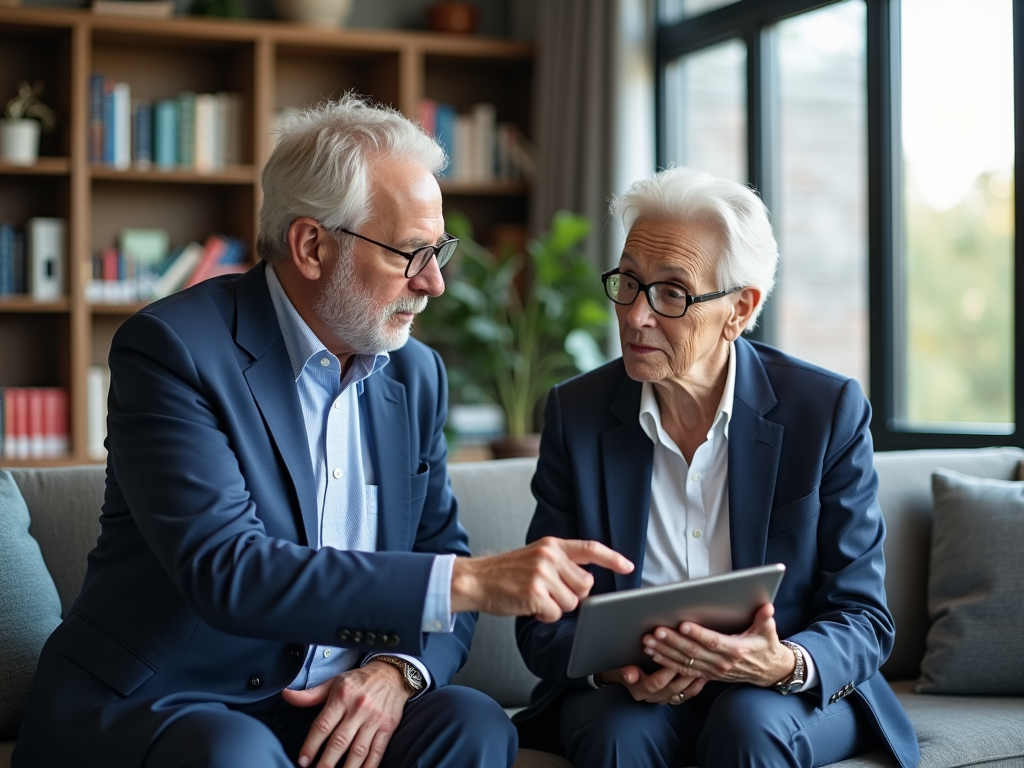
column 346, row 490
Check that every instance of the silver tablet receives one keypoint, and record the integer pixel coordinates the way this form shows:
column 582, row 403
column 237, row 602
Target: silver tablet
column 610, row 628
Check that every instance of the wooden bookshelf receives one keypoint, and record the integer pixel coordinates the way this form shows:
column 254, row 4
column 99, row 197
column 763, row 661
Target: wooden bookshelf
column 273, row 66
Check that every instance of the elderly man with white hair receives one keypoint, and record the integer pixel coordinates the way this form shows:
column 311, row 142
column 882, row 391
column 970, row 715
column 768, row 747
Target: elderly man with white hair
column 695, row 454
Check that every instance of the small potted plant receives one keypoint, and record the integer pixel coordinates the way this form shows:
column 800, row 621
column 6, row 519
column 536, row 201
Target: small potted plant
column 512, row 324
column 24, row 118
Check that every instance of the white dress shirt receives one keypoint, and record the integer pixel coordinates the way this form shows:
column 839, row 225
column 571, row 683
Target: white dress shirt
column 688, row 535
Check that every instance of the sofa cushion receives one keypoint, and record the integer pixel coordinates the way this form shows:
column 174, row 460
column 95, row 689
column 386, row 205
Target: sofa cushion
column 975, row 587
column 29, row 605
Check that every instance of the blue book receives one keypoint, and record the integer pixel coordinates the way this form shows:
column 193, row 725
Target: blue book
column 187, row 129
column 19, row 281
column 143, row 134
column 96, row 87
column 444, row 132
column 108, row 122
column 6, row 259
column 165, row 134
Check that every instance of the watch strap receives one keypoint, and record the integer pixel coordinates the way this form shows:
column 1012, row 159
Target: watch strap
column 795, row 680
column 411, row 676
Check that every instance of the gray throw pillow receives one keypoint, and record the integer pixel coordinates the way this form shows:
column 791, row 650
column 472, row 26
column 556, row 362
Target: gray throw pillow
column 29, row 606
column 975, row 587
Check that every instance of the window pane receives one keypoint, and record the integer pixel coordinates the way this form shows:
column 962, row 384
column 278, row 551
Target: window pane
column 673, row 11
column 706, row 110
column 957, row 121
column 820, row 195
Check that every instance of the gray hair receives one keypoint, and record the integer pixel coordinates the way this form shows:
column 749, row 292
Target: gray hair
column 687, row 196
column 322, row 163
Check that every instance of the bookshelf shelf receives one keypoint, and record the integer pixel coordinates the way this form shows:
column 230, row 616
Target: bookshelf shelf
column 238, row 174
column 269, row 67
column 44, row 166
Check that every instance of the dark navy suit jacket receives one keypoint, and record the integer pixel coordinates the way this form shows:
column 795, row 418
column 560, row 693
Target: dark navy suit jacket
column 205, row 585
column 801, row 492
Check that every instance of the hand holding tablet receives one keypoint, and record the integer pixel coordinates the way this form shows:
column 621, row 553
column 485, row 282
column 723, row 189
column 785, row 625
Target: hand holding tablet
column 610, row 627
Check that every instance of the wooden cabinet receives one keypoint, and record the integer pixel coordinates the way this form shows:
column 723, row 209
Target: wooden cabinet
column 272, row 66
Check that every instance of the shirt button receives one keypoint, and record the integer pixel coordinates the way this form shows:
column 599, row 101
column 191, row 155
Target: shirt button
column 327, row 653
column 337, row 405
column 696, row 533
column 436, row 626
column 324, row 362
column 695, row 476
column 337, row 474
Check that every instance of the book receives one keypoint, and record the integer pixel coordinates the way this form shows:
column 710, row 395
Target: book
column 205, row 133
column 122, row 126
column 427, row 114
column 484, row 129
column 165, row 134
column 57, row 438
column 108, row 122
column 10, row 439
column 174, row 274
column 45, row 255
column 36, row 432
column 186, row 129
column 6, row 259
column 222, row 255
column 444, row 132
column 147, row 9
column 97, row 85
column 142, row 134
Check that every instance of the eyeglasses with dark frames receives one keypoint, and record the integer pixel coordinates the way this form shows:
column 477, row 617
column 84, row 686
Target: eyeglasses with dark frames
column 419, row 258
column 664, row 298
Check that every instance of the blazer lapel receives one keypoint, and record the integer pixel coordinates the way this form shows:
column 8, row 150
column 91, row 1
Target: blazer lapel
column 273, row 388
column 627, row 456
column 388, row 424
column 755, row 444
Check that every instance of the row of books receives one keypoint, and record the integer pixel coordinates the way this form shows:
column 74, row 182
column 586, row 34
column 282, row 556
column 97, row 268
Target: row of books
column 32, row 260
column 196, row 131
column 144, row 268
column 33, row 422
column 479, row 147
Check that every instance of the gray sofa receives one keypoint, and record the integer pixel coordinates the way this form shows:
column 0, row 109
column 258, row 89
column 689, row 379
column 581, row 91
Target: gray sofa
column 496, row 507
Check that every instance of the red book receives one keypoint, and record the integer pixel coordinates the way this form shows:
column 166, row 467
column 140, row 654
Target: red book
column 10, row 447
column 55, row 421
column 36, row 431
column 214, row 248
column 19, row 397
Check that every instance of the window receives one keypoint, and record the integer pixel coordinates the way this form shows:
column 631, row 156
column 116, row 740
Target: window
column 881, row 135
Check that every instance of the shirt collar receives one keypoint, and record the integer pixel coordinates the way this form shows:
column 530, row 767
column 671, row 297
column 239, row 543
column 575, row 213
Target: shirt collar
column 302, row 344
column 650, row 414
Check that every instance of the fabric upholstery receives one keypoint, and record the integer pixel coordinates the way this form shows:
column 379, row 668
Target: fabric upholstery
column 975, row 587
column 905, row 496
column 29, row 605
column 496, row 513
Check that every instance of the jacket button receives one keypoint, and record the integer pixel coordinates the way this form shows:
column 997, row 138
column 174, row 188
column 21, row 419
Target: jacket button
column 357, row 636
column 371, row 638
column 393, row 641
column 344, row 635
column 254, row 683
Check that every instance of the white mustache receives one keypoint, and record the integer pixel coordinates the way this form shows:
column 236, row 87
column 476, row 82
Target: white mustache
column 413, row 304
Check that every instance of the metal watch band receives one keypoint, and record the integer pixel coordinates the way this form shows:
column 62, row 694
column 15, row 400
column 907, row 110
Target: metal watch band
column 412, row 677
column 795, row 681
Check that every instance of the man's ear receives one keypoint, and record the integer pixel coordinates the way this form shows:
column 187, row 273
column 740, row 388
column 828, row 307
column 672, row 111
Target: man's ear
column 309, row 244
column 742, row 308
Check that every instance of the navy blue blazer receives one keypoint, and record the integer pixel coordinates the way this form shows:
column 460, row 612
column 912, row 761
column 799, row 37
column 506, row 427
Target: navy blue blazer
column 203, row 586
column 802, row 492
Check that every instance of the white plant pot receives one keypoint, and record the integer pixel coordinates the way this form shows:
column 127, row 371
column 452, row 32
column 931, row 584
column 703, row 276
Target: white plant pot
column 19, row 141
column 325, row 13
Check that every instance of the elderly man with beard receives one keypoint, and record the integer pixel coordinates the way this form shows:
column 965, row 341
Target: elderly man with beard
column 281, row 578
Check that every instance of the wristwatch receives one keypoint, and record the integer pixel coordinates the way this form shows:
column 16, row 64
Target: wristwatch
column 794, row 682
column 413, row 677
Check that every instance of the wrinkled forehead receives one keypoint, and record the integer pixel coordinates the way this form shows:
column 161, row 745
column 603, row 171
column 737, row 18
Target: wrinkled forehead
column 663, row 246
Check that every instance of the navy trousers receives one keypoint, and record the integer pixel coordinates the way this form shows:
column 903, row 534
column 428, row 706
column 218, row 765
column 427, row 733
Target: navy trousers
column 735, row 726
column 451, row 727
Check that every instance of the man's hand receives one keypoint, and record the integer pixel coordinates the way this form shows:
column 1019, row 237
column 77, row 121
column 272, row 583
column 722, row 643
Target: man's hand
column 542, row 580
column 663, row 686
column 756, row 656
column 361, row 710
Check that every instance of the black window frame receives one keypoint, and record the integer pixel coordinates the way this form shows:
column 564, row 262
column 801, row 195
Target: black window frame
column 749, row 21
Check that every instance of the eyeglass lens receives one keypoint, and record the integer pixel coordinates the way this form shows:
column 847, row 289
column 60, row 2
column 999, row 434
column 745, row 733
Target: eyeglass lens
column 421, row 256
column 665, row 298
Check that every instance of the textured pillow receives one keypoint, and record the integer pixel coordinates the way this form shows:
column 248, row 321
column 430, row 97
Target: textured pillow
column 975, row 587
column 29, row 606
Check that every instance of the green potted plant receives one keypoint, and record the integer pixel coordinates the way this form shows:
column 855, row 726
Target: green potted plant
column 512, row 324
column 24, row 117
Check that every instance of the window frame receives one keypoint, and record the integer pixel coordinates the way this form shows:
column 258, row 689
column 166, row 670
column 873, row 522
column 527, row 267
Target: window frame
column 748, row 20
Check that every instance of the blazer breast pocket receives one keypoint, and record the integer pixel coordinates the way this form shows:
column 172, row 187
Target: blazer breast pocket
column 794, row 514
column 420, row 482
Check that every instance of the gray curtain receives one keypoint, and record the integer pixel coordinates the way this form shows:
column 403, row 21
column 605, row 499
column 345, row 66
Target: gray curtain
column 593, row 122
column 574, row 119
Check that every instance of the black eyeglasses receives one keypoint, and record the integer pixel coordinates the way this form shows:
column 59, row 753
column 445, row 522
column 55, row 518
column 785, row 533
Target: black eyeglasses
column 419, row 258
column 665, row 299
